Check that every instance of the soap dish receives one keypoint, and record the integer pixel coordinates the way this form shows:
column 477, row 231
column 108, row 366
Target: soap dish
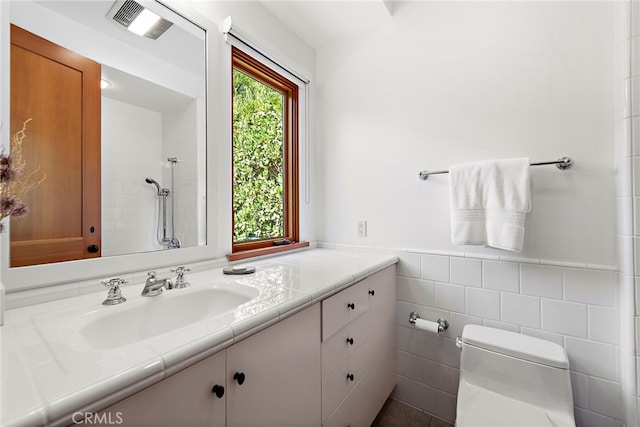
column 239, row 269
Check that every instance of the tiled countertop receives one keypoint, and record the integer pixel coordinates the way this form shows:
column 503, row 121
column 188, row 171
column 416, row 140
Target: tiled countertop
column 49, row 372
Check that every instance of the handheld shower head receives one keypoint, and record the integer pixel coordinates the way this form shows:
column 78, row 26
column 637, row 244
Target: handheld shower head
column 154, row 182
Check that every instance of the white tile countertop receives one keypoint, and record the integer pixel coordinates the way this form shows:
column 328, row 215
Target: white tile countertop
column 52, row 366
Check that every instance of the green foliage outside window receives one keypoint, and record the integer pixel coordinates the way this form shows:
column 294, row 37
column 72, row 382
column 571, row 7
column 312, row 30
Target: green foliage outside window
column 258, row 202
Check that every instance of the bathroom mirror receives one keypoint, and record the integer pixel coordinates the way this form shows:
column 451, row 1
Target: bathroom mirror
column 152, row 121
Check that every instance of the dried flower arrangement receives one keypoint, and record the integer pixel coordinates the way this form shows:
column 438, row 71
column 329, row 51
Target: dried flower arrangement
column 14, row 182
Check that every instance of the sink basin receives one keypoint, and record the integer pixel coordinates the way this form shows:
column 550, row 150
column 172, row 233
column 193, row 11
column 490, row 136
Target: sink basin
column 142, row 318
column 161, row 314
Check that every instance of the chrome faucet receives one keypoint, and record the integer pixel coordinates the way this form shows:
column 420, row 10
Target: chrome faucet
column 115, row 296
column 154, row 286
column 181, row 282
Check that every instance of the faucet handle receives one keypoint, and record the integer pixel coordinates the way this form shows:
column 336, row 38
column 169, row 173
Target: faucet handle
column 180, row 281
column 114, row 282
column 115, row 295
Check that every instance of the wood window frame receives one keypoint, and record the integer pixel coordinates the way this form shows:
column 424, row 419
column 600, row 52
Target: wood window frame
column 245, row 63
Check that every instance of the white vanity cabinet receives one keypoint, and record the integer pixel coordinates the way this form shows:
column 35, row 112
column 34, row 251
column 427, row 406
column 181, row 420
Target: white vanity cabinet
column 333, row 363
column 281, row 367
column 358, row 350
column 280, row 371
column 185, row 398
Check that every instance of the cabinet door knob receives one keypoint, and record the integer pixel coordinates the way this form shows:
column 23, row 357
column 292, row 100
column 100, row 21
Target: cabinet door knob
column 218, row 390
column 372, row 292
column 92, row 249
column 239, row 376
column 351, row 305
column 350, row 377
column 350, row 341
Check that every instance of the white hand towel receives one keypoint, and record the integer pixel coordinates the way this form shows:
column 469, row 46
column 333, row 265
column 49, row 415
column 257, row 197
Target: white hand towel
column 489, row 202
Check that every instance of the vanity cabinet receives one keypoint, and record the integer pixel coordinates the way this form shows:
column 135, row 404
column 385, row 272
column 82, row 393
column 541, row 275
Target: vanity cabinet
column 182, row 399
column 332, row 364
column 358, row 350
column 269, row 378
column 281, row 368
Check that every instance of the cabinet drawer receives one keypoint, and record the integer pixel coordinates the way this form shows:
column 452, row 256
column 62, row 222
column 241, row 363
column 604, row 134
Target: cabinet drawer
column 372, row 358
column 358, row 409
column 343, row 307
column 343, row 343
column 335, row 387
column 382, row 287
column 361, row 406
column 340, row 383
column 343, row 415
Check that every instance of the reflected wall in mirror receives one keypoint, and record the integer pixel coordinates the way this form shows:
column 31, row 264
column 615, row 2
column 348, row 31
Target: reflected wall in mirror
column 151, row 139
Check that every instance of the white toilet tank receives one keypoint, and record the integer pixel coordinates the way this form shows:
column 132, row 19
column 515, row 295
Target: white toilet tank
column 509, row 379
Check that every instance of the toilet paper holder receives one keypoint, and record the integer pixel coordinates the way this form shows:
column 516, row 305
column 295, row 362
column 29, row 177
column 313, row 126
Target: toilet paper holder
column 442, row 323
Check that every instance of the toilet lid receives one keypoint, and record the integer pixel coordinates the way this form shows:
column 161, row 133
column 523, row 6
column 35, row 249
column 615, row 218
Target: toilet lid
column 481, row 407
column 516, row 345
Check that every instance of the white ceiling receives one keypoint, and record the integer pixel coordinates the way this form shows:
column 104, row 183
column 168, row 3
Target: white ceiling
column 319, row 22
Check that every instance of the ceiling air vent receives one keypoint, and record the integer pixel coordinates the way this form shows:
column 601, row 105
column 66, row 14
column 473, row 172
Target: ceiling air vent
column 128, row 13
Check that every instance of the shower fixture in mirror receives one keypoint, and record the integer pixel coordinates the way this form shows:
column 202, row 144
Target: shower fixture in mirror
column 111, row 104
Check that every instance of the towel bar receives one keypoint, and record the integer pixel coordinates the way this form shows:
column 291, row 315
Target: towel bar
column 562, row 164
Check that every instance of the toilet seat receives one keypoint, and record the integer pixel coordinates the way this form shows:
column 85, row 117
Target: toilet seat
column 480, row 410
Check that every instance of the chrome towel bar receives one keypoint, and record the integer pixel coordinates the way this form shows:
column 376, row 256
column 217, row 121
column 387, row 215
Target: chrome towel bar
column 562, row 164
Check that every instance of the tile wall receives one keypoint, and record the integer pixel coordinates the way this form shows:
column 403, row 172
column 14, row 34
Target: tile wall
column 180, row 140
column 575, row 305
column 136, row 144
column 627, row 116
column 131, row 151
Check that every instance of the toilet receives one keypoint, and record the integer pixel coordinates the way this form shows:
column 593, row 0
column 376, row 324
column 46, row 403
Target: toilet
column 509, row 379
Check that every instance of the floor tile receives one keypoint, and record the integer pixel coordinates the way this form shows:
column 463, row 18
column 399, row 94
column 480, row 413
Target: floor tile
column 397, row 414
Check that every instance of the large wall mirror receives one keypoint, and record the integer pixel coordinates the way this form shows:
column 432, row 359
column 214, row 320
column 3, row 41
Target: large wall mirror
column 150, row 194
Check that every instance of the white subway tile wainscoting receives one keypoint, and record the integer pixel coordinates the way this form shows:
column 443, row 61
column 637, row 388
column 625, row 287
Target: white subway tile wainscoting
column 573, row 306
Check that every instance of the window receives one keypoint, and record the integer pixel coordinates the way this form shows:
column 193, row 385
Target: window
column 265, row 155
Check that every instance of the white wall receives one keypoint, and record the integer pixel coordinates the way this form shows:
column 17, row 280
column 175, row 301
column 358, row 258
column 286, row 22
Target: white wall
column 449, row 82
column 443, row 83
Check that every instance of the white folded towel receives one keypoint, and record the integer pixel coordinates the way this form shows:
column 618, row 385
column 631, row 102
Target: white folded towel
column 489, row 202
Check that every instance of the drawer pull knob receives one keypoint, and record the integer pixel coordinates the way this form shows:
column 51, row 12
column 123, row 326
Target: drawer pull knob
column 218, row 390
column 350, row 341
column 372, row 292
column 239, row 377
column 351, row 305
column 350, row 377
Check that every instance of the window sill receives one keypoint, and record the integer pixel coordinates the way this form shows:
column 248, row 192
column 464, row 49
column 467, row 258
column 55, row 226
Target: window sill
column 266, row 251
